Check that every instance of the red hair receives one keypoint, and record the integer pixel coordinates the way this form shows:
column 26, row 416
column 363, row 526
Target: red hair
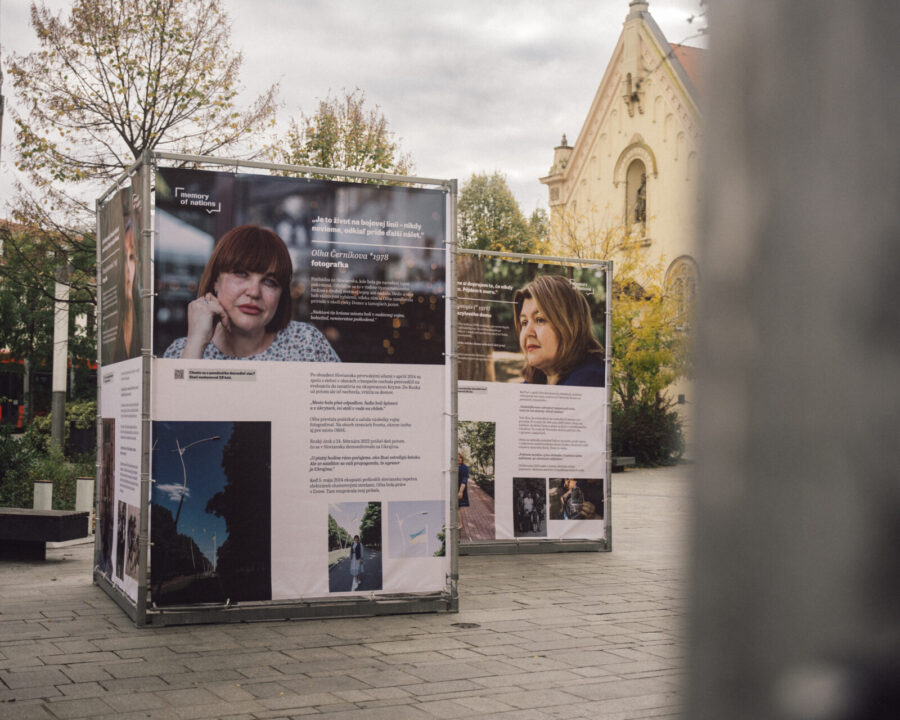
column 250, row 248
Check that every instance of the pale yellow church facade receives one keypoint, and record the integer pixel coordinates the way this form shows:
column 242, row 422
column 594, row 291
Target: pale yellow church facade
column 632, row 174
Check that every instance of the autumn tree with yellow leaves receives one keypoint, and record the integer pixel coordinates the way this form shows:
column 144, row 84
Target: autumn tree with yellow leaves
column 650, row 335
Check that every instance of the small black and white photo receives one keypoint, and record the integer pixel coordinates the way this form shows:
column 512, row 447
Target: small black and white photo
column 530, row 507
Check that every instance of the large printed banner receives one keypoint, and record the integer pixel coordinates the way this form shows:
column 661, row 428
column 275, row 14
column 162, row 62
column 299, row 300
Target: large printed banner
column 532, row 400
column 119, row 274
column 119, row 277
column 119, row 501
column 299, row 440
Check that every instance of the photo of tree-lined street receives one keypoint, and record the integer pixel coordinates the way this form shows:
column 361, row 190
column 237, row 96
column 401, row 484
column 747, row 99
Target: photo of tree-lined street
column 477, row 445
column 210, row 514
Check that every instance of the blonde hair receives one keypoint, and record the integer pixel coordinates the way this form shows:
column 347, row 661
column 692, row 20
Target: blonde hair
column 569, row 314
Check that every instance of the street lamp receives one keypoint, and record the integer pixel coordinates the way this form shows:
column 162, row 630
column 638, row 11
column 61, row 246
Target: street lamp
column 181, row 451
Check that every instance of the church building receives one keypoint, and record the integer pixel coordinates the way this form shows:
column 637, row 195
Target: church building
column 632, row 173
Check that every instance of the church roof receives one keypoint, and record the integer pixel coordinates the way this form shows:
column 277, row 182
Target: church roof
column 687, row 61
column 692, row 60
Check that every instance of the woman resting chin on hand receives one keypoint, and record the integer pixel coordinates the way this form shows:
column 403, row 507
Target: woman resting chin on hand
column 243, row 306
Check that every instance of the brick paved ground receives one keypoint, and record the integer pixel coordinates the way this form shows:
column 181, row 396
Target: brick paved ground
column 478, row 518
column 579, row 635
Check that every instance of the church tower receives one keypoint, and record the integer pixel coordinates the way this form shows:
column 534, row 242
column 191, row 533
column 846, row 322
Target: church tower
column 633, row 169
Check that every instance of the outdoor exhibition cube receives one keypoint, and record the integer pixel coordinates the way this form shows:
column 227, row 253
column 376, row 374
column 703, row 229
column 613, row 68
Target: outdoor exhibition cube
column 299, row 459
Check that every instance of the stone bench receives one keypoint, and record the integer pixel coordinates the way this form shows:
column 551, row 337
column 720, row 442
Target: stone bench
column 24, row 533
column 620, row 463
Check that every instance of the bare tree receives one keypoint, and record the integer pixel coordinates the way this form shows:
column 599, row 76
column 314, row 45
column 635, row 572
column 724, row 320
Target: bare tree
column 118, row 77
column 110, row 80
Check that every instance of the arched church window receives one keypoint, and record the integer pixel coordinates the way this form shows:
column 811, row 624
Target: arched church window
column 636, row 194
column 682, row 280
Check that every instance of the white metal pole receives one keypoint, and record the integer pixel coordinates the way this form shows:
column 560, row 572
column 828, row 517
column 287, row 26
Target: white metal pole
column 60, row 357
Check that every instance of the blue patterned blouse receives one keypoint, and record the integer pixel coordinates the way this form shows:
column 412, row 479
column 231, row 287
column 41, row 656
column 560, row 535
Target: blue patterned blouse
column 298, row 341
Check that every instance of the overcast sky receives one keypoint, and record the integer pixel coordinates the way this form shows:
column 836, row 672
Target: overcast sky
column 466, row 86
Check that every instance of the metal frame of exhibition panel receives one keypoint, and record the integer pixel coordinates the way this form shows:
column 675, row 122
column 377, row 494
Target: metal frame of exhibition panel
column 142, row 612
column 550, row 545
column 137, row 609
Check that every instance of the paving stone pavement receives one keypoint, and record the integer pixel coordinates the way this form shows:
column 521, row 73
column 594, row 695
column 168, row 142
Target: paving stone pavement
column 574, row 635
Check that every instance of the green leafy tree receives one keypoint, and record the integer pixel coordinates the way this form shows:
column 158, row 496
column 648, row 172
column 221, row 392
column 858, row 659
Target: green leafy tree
column 442, row 550
column 244, row 559
column 477, row 441
column 27, row 295
column 489, row 217
column 343, row 134
column 338, row 538
column 80, row 415
column 539, row 227
column 370, row 526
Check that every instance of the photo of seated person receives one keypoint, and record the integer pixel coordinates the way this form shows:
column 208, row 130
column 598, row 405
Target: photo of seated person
column 243, row 305
column 556, row 334
column 576, row 499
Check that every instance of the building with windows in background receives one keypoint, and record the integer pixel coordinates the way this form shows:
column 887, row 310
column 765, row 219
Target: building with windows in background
column 631, row 178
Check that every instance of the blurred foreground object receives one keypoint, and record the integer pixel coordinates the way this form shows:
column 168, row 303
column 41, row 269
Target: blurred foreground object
column 795, row 578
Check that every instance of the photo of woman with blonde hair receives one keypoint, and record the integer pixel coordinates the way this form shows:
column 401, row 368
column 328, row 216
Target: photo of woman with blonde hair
column 556, row 334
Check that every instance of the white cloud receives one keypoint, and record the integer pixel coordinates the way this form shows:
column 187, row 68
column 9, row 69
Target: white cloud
column 172, row 490
column 467, row 86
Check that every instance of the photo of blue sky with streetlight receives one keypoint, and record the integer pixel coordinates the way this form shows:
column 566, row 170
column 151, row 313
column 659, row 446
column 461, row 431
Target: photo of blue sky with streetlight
column 413, row 527
column 211, row 511
column 187, row 464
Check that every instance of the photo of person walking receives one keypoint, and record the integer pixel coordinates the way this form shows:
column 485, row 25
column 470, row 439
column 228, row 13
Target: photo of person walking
column 354, row 547
column 475, row 487
column 462, row 498
column 357, row 561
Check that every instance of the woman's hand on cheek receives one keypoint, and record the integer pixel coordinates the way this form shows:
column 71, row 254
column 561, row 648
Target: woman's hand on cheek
column 218, row 312
column 203, row 314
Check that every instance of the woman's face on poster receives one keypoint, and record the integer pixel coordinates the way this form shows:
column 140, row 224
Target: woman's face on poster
column 249, row 298
column 130, row 261
column 538, row 338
